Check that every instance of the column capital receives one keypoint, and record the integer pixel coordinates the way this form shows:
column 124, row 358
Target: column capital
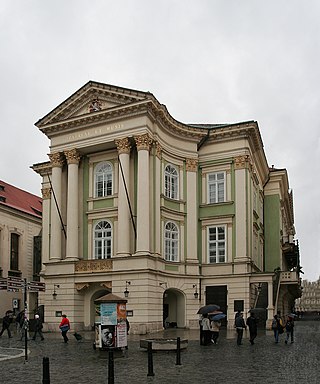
column 158, row 149
column 242, row 162
column 56, row 159
column 123, row 145
column 72, row 156
column 143, row 142
column 46, row 193
column 191, row 165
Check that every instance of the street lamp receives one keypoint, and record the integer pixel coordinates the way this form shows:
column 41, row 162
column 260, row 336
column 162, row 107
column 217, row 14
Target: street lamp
column 196, row 294
column 126, row 292
column 54, row 295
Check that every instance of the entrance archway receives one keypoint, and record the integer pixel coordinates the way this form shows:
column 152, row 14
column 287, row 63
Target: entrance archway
column 174, row 308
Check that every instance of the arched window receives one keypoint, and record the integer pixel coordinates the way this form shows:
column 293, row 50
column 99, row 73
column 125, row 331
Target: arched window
column 103, row 175
column 102, row 240
column 171, row 182
column 171, row 241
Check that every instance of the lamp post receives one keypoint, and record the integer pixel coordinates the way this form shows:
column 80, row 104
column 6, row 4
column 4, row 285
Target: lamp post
column 196, row 294
column 126, row 292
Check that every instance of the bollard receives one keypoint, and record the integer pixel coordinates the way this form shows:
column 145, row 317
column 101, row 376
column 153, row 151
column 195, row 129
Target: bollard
column 110, row 367
column 178, row 361
column 150, row 359
column 45, row 370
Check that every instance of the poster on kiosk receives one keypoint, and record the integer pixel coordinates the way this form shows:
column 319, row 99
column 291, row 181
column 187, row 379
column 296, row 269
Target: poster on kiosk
column 112, row 327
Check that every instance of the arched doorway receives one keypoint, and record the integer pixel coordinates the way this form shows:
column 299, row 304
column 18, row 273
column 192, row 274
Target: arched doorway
column 174, row 311
column 94, row 310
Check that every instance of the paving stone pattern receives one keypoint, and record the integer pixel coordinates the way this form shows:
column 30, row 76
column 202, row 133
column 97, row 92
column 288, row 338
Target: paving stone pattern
column 77, row 362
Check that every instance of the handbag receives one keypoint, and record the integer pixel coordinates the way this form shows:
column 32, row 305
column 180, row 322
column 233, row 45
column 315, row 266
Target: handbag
column 64, row 328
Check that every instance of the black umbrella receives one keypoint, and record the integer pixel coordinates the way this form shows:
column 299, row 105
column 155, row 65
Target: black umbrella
column 208, row 309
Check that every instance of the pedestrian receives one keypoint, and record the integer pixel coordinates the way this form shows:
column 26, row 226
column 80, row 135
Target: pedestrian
column 277, row 327
column 20, row 322
column 238, row 313
column 215, row 331
column 240, row 326
column 289, row 329
column 252, row 324
column 38, row 327
column 206, row 329
column 64, row 327
column 201, row 330
column 6, row 321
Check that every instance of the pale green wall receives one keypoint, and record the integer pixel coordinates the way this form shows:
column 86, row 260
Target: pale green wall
column 272, row 210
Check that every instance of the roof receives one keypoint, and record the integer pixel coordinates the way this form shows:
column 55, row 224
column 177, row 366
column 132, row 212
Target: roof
column 20, row 200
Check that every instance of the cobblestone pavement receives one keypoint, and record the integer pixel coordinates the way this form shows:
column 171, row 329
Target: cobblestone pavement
column 77, row 362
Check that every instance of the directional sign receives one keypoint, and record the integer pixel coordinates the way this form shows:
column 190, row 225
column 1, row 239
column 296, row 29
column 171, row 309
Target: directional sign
column 36, row 286
column 14, row 284
column 3, row 283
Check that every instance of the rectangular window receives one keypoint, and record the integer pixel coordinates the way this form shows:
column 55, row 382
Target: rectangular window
column 217, row 245
column 14, row 252
column 216, row 187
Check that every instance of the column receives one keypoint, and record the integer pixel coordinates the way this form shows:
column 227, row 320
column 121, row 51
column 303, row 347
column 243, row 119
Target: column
column 124, row 217
column 157, row 199
column 57, row 161
column 143, row 143
column 72, row 251
column 46, row 194
column 191, row 191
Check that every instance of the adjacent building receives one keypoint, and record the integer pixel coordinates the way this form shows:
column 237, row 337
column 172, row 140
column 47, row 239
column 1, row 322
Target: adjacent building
column 309, row 302
column 20, row 244
column 170, row 215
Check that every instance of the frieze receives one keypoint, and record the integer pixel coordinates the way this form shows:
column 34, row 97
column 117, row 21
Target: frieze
column 191, row 165
column 57, row 159
column 143, row 142
column 123, row 145
column 72, row 156
column 104, row 265
column 94, row 132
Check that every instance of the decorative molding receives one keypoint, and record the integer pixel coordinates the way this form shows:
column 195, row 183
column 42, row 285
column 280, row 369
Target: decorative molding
column 143, row 142
column 56, row 159
column 46, row 193
column 104, row 265
column 106, row 284
column 123, row 145
column 81, row 286
column 95, row 105
column 72, row 156
column 191, row 165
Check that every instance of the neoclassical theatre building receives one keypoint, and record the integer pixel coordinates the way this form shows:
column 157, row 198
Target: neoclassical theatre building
column 170, row 215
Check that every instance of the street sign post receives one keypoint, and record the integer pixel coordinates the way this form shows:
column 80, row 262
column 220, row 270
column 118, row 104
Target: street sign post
column 36, row 286
column 3, row 283
column 14, row 284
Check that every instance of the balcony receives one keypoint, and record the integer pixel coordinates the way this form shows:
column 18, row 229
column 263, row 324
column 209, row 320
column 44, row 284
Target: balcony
column 290, row 277
column 93, row 266
column 291, row 254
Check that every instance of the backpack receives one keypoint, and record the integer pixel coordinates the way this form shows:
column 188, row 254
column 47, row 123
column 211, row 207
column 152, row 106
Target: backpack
column 274, row 324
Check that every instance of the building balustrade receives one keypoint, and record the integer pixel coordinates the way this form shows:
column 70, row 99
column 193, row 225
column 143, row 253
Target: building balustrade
column 289, row 277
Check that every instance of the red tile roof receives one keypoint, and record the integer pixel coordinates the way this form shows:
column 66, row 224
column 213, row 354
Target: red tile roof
column 20, row 200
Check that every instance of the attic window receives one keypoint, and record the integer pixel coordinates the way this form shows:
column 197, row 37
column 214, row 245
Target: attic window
column 1, row 187
column 3, row 199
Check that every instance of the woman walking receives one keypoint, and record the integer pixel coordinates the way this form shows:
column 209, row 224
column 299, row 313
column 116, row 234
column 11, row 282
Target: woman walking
column 64, row 327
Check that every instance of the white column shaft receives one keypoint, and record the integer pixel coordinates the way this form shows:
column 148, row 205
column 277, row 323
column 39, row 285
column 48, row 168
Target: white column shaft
column 56, row 226
column 72, row 213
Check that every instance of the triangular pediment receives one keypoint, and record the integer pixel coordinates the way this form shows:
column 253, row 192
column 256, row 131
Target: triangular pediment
column 92, row 98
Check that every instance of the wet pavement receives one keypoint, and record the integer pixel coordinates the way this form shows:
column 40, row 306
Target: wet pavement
column 77, row 362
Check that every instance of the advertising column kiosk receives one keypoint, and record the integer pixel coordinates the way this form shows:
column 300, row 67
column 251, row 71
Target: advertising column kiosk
column 110, row 322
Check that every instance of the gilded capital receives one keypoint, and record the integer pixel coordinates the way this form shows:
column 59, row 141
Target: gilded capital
column 46, row 193
column 242, row 162
column 123, row 145
column 143, row 142
column 191, row 165
column 72, row 156
column 56, row 159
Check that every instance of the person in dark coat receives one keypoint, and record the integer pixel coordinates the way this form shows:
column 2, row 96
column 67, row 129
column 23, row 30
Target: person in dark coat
column 6, row 321
column 252, row 324
column 240, row 326
column 37, row 327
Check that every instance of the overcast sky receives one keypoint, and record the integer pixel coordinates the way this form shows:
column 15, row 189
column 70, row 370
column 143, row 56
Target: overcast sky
column 208, row 61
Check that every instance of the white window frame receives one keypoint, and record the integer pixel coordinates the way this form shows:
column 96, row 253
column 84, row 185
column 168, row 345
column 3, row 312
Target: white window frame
column 102, row 245
column 171, row 241
column 103, row 173
column 214, row 187
column 171, row 182
column 216, row 244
